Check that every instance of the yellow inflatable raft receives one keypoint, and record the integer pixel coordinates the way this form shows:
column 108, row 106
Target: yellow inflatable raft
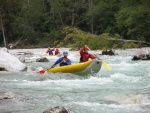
column 91, row 66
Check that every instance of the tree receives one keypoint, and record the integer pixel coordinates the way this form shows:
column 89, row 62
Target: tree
column 133, row 20
column 101, row 15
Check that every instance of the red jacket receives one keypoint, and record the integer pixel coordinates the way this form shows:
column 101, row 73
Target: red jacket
column 57, row 51
column 85, row 56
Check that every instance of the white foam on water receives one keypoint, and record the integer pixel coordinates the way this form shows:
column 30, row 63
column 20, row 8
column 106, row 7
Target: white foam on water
column 68, row 83
column 124, row 64
column 91, row 80
column 85, row 103
column 32, row 59
column 124, row 72
column 134, row 107
column 130, row 107
column 124, row 77
column 126, row 107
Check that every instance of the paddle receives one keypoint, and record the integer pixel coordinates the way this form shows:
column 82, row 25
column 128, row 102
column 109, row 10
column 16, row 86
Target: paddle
column 41, row 72
column 109, row 68
column 106, row 66
column 44, row 53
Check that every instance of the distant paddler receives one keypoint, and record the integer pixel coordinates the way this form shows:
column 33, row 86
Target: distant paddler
column 56, row 52
column 50, row 51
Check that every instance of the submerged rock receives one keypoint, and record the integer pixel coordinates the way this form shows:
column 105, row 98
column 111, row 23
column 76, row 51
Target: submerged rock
column 42, row 60
column 2, row 69
column 141, row 57
column 7, row 95
column 58, row 109
column 109, row 52
column 24, row 53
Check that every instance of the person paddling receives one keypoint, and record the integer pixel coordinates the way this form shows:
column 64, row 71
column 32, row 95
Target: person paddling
column 56, row 51
column 50, row 51
column 62, row 61
column 84, row 55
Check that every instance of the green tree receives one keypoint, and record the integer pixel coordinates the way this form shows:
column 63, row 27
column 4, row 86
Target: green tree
column 101, row 15
column 8, row 8
column 133, row 20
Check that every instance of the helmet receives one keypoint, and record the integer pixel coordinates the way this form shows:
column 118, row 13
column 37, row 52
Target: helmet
column 49, row 47
column 65, row 52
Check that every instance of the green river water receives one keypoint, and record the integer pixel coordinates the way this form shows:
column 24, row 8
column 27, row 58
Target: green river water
column 125, row 89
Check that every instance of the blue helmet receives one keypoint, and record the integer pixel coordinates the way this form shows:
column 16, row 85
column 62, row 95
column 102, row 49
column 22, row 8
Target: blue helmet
column 65, row 52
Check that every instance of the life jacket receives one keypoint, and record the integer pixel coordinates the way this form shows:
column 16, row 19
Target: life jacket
column 56, row 51
column 64, row 63
column 85, row 57
column 50, row 51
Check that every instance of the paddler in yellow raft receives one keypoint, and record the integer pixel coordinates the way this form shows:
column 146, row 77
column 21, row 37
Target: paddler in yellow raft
column 62, row 61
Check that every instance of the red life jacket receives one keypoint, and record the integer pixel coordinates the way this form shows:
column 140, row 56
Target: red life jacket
column 64, row 58
column 57, row 51
column 64, row 63
column 85, row 56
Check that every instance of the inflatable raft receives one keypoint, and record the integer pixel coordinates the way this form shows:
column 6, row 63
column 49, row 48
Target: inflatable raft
column 89, row 67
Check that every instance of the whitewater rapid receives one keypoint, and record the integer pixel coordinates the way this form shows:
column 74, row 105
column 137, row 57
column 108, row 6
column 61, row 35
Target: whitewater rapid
column 125, row 89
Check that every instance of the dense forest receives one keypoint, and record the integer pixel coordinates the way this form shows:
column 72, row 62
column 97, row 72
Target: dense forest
column 73, row 23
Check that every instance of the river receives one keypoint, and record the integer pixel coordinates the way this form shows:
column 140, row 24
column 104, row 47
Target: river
column 124, row 89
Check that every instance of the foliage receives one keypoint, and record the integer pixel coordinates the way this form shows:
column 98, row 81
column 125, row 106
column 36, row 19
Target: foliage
column 75, row 39
column 92, row 22
column 128, row 45
column 133, row 21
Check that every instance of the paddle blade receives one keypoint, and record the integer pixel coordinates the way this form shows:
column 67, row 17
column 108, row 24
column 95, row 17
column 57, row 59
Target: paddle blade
column 41, row 72
column 106, row 66
column 44, row 54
